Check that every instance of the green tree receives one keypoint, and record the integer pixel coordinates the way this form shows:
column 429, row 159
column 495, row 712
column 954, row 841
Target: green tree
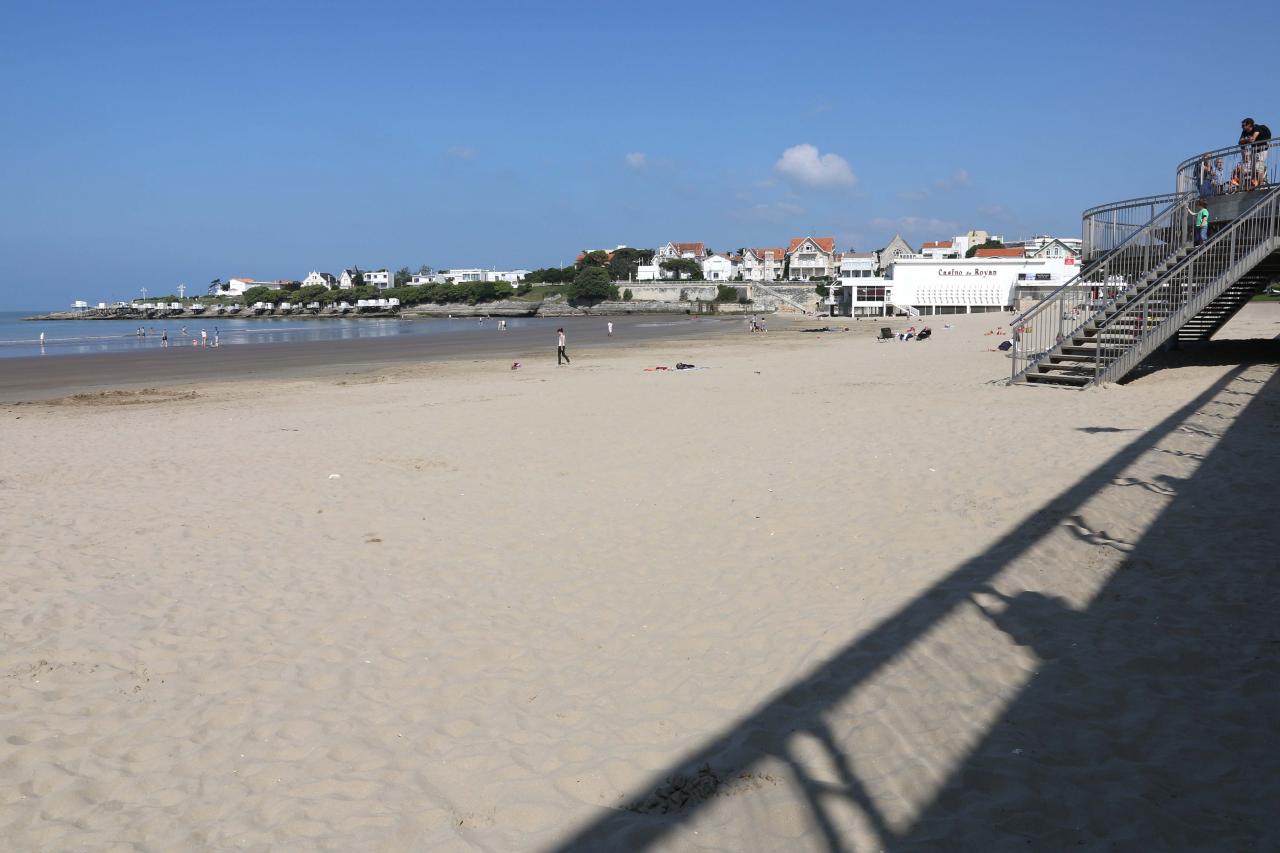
column 402, row 277
column 989, row 244
column 357, row 280
column 726, row 293
column 259, row 294
column 598, row 258
column 627, row 295
column 684, row 268
column 590, row 285
column 625, row 263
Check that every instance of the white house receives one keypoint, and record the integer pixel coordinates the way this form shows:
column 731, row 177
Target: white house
column 237, row 286
column 858, row 292
column 811, row 257
column 1044, row 246
column 419, row 279
column 320, row 279
column 672, row 251
column 717, row 267
column 381, row 279
column 940, row 250
column 763, row 264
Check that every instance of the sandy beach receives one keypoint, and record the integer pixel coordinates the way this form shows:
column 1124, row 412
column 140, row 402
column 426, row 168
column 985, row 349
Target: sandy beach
column 823, row 594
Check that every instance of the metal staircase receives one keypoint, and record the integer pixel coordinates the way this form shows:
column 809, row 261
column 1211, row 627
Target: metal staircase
column 1152, row 286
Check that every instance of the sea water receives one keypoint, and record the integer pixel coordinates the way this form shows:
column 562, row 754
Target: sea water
column 20, row 337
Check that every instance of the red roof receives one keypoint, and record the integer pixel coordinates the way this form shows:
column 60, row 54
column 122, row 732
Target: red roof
column 998, row 253
column 826, row 244
column 695, row 248
column 778, row 254
column 938, row 244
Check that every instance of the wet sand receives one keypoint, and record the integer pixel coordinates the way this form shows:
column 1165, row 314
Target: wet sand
column 48, row 377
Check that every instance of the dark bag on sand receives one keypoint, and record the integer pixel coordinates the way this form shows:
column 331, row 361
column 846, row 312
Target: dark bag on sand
column 680, row 365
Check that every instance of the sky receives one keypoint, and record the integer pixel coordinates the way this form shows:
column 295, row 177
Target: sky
column 147, row 144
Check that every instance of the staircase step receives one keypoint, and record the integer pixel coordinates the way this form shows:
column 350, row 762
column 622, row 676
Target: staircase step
column 1059, row 379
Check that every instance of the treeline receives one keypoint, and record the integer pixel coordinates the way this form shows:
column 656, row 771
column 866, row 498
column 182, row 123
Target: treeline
column 469, row 292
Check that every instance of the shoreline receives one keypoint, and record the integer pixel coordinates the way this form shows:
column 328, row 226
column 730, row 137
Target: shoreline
column 39, row 378
column 502, row 308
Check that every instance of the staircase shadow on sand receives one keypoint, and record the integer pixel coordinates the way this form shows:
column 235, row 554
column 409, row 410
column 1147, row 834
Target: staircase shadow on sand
column 1169, row 743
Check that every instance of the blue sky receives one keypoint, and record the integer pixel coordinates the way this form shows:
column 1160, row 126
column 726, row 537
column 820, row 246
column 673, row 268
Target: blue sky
column 144, row 144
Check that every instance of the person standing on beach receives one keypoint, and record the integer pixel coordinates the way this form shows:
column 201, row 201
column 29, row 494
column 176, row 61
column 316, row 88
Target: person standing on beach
column 562, row 357
column 164, row 339
column 204, row 338
column 611, row 328
column 217, row 338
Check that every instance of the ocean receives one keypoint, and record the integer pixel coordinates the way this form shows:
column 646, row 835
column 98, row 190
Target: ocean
column 20, row 337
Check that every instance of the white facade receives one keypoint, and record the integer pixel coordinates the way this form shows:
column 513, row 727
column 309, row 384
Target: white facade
column 671, row 251
column 763, row 264
column 859, row 293
column 648, row 272
column 237, row 286
column 718, row 268
column 1042, row 245
column 319, row 279
column 810, row 258
column 380, row 279
column 942, row 249
column 419, row 279
column 965, row 286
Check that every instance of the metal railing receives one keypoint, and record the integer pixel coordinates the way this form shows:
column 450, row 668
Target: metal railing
column 1163, row 306
column 1125, row 269
column 1237, row 168
column 1107, row 226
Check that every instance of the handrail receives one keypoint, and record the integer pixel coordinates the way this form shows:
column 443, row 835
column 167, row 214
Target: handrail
column 1106, row 226
column 1078, row 300
column 1091, row 266
column 1235, row 168
column 1163, row 305
column 1128, row 202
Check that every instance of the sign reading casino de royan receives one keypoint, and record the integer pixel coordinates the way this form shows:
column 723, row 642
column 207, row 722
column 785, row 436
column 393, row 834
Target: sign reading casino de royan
column 973, row 283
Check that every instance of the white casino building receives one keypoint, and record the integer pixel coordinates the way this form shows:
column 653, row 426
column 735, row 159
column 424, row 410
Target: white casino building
column 951, row 286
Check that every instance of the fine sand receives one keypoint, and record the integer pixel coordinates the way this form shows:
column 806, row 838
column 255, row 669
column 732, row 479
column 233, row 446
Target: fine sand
column 826, row 594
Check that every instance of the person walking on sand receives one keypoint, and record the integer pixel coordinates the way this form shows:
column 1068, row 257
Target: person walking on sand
column 1202, row 220
column 204, row 338
column 164, row 339
column 562, row 357
column 217, row 338
column 610, row 324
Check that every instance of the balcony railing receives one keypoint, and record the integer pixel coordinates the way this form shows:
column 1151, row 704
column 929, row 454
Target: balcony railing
column 1238, row 168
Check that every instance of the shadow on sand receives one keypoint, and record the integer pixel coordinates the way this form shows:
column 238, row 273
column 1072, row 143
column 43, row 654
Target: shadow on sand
column 1152, row 720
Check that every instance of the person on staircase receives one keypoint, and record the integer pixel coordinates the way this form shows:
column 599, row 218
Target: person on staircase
column 1258, row 137
column 1201, row 213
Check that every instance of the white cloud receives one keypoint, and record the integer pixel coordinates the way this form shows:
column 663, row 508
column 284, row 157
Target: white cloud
column 636, row 160
column 959, row 179
column 461, row 152
column 803, row 164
